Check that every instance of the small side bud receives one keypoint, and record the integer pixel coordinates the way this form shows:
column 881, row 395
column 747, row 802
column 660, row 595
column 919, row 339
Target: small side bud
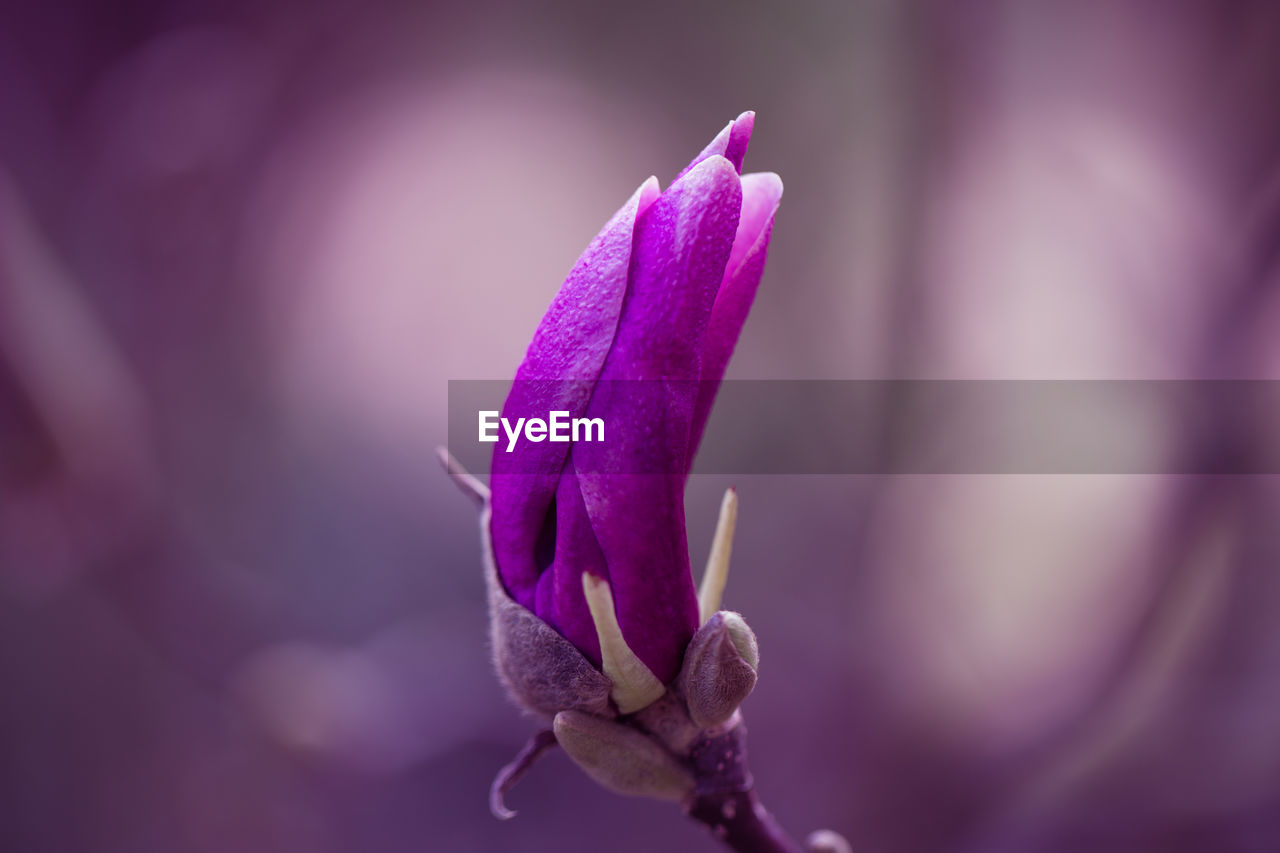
column 719, row 669
column 621, row 758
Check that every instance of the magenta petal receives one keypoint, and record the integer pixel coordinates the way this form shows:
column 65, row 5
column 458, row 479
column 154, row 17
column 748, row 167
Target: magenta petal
column 572, row 343
column 649, row 314
column 730, row 143
column 682, row 245
column 648, row 560
column 576, row 333
column 761, row 193
column 560, row 601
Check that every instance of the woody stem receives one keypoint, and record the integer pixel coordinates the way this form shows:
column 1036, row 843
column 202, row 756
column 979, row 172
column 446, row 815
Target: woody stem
column 725, row 799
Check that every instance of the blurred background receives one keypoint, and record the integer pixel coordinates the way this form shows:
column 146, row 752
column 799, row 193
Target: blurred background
column 244, row 246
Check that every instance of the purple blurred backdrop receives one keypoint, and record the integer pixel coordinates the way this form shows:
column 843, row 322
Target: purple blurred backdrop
column 243, row 247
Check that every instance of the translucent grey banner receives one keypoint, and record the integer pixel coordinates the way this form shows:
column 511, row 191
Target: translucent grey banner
column 877, row 426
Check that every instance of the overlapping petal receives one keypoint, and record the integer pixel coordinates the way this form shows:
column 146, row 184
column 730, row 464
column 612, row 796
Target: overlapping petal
column 761, row 194
column 558, row 373
column 682, row 245
column 730, row 143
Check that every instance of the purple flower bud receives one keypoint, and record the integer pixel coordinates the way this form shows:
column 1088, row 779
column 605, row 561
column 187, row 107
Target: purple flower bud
column 661, row 293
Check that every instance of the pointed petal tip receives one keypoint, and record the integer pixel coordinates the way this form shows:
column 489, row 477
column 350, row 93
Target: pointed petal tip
column 765, row 185
column 647, row 194
column 716, row 169
column 739, row 138
column 731, row 143
column 761, row 197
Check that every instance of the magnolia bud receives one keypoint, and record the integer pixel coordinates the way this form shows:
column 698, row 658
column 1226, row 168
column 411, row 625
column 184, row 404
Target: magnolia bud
column 719, row 669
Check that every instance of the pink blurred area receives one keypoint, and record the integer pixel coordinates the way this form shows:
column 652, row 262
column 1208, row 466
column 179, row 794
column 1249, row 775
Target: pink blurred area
column 243, row 249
